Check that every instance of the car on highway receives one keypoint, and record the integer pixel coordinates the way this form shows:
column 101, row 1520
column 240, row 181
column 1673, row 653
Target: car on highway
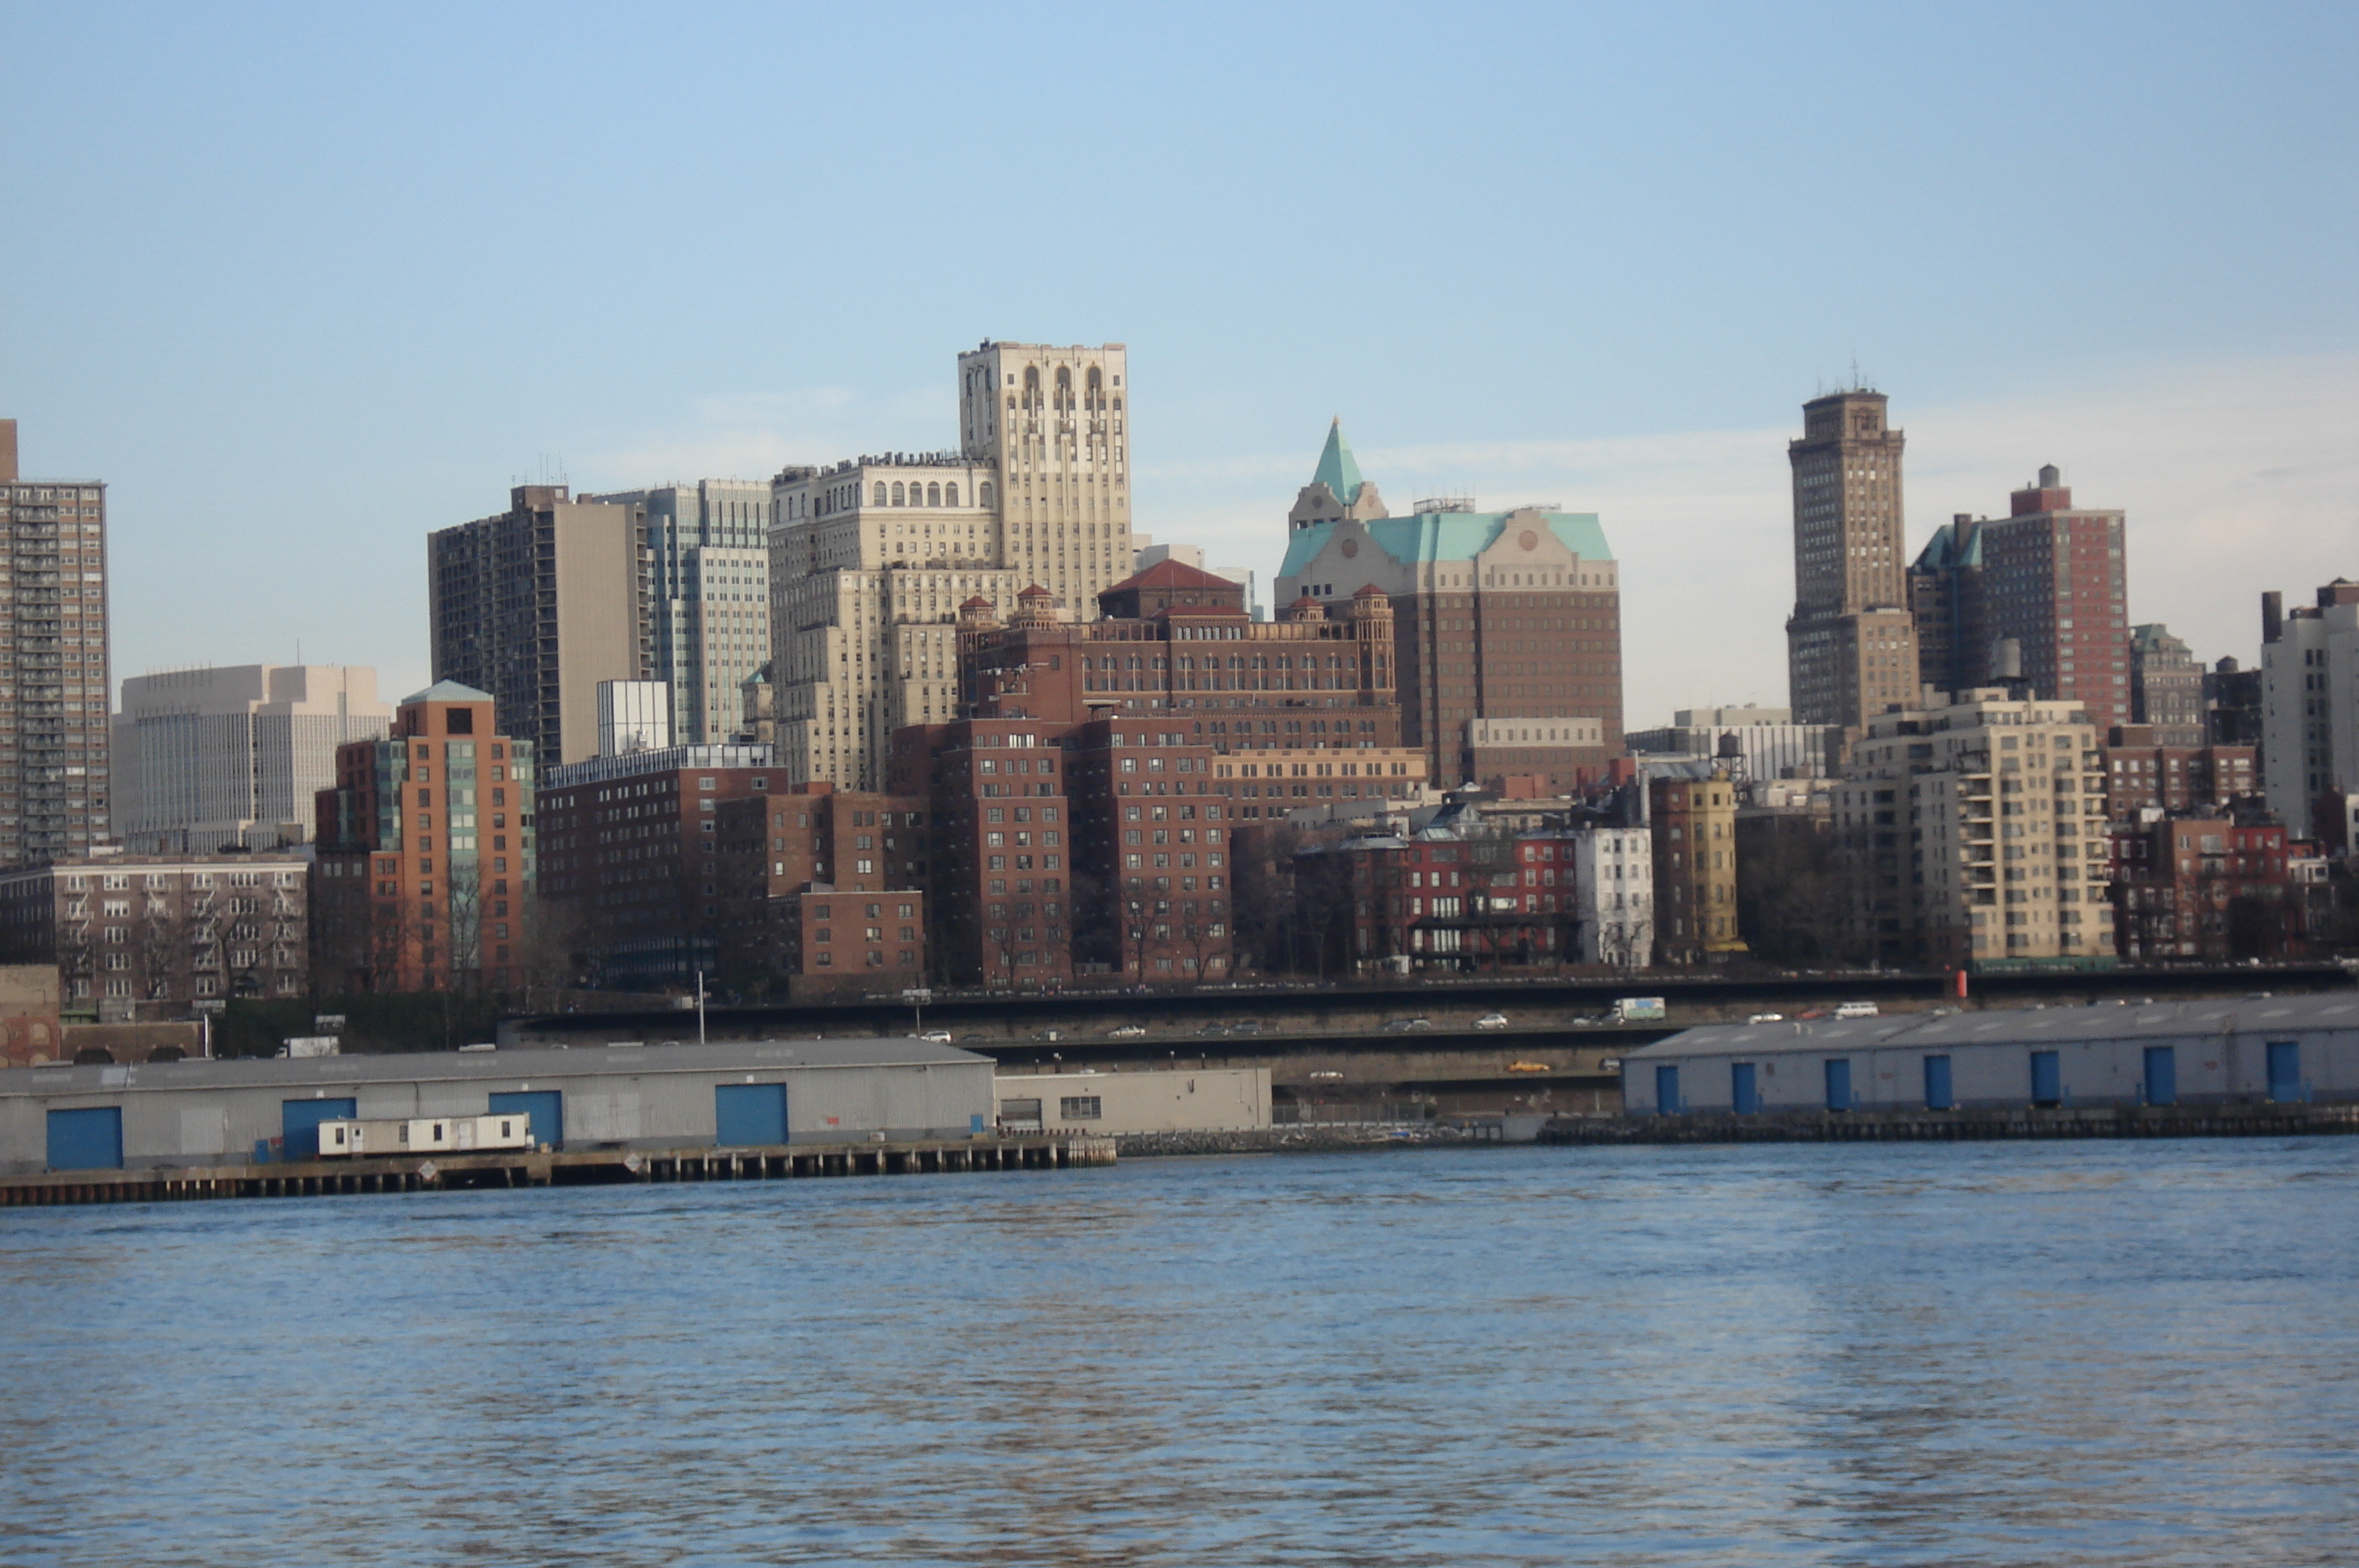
column 1492, row 1020
column 1766, row 1019
column 1400, row 1025
column 1127, row 1031
column 938, row 1037
column 1856, row 1010
column 1326, row 1072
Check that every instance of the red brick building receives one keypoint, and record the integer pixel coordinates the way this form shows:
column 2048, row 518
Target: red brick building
column 780, row 850
column 425, row 870
column 1152, row 844
column 2213, row 889
column 2142, row 774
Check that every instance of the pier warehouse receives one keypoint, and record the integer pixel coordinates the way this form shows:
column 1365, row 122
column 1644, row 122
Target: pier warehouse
column 651, row 1097
column 2260, row 1050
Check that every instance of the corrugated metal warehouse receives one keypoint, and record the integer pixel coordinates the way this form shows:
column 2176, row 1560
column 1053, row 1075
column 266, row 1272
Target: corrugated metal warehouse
column 741, row 1094
column 2300, row 1049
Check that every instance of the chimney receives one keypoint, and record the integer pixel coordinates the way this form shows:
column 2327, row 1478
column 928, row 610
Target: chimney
column 2272, row 616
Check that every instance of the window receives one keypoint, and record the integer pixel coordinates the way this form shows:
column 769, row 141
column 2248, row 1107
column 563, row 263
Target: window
column 1080, row 1108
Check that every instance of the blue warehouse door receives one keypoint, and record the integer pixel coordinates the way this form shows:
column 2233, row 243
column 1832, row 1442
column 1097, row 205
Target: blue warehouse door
column 1939, row 1096
column 1666, row 1090
column 2047, row 1079
column 2162, row 1075
column 1743, row 1091
column 299, row 1123
column 2285, row 1071
column 545, row 1106
column 747, row 1114
column 1838, row 1083
column 86, row 1140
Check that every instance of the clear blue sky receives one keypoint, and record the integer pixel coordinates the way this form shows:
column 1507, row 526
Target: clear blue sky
column 304, row 282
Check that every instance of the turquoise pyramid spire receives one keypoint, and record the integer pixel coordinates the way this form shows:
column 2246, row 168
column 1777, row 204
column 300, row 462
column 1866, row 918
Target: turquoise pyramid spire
column 1338, row 470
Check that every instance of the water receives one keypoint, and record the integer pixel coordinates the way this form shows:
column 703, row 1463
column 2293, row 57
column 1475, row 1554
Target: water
column 2103, row 1353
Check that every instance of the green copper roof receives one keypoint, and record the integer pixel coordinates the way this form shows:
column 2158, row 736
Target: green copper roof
column 1338, row 469
column 1951, row 548
column 1446, row 535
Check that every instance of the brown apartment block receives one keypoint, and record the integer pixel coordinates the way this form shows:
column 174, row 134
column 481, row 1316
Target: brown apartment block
column 632, row 874
column 1851, row 644
column 1000, row 847
column 146, row 936
column 1153, row 851
column 2141, row 773
column 54, row 690
column 539, row 604
column 424, row 876
column 812, row 840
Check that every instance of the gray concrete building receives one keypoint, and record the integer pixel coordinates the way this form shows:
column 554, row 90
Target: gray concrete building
column 2309, row 702
column 2286, row 1050
column 136, row 1115
column 54, row 769
column 536, row 606
column 707, row 560
column 234, row 755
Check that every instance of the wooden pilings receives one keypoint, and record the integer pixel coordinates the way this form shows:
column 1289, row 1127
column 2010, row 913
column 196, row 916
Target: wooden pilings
column 586, row 1168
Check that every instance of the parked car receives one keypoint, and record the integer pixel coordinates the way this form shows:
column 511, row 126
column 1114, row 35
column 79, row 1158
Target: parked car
column 1492, row 1020
column 1856, row 1010
column 1127, row 1031
column 1399, row 1025
column 1766, row 1019
column 939, row 1037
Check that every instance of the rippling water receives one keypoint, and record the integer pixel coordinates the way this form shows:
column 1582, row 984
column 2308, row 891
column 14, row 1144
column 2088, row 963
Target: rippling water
column 2100, row 1353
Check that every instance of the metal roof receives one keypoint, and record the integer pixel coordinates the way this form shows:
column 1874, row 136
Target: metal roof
column 2028, row 1025
column 535, row 1063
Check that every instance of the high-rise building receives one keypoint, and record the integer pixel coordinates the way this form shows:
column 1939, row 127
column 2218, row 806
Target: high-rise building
column 2309, row 702
column 54, row 780
column 2050, row 579
column 1513, row 618
column 424, row 875
column 2055, row 581
column 1974, row 832
column 871, row 558
column 1851, row 645
column 539, row 604
column 2166, row 686
column 206, row 759
column 708, row 562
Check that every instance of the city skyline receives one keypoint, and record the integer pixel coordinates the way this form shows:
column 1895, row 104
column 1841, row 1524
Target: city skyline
column 295, row 300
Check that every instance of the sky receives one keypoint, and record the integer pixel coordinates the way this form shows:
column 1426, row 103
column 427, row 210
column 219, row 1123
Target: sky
column 303, row 283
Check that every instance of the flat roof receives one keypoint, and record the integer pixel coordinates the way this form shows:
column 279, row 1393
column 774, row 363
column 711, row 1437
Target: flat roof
column 2028, row 1025
column 532, row 1063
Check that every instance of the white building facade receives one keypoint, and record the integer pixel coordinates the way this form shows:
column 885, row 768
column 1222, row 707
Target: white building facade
column 235, row 755
column 1613, row 895
column 2309, row 704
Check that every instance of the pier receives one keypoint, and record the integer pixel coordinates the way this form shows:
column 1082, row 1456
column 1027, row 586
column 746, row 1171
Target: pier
column 587, row 1168
column 1959, row 1127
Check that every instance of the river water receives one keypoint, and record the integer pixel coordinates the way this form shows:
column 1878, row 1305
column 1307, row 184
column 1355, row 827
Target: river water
column 2099, row 1353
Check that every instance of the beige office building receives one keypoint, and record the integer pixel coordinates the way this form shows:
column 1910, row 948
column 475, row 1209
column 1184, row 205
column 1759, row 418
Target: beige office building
column 872, row 558
column 209, row 759
column 539, row 604
column 1974, row 832
column 1851, row 644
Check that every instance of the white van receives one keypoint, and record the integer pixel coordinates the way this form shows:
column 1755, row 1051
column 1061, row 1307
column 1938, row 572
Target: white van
column 1856, row 1010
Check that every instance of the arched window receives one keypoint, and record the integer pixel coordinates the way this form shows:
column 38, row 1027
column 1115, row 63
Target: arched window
column 880, row 494
column 950, row 495
column 897, row 493
column 1097, row 388
column 988, row 494
column 933, row 495
column 1032, row 386
column 1064, row 387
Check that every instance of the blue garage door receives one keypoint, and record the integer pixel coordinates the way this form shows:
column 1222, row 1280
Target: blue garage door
column 1938, row 1094
column 1838, row 1083
column 1743, row 1091
column 744, row 1115
column 1666, row 1090
column 2047, row 1079
column 298, row 1124
column 2162, row 1075
column 545, row 1106
column 2285, row 1071
column 86, row 1140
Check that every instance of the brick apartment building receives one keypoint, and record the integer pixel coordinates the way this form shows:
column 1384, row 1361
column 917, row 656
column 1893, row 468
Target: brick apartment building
column 2211, row 887
column 146, row 936
column 424, row 876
